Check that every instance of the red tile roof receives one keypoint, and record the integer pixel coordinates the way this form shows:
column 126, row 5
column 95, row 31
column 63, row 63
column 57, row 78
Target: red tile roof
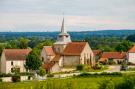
column 132, row 50
column 49, row 50
column 16, row 54
column 48, row 66
column 56, row 58
column 97, row 52
column 117, row 55
column 102, row 59
column 74, row 48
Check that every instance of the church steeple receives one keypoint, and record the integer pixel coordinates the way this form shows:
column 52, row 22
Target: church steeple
column 63, row 37
column 62, row 27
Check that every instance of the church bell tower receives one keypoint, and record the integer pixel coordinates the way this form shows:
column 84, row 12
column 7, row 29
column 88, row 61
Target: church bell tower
column 62, row 39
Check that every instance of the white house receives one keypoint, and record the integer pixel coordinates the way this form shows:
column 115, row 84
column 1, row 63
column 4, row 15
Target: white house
column 131, row 55
column 11, row 58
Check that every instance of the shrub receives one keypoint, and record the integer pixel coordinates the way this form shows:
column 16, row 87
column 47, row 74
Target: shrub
column 5, row 75
column 50, row 75
column 99, row 74
column 0, row 80
column 111, row 62
column 79, row 67
column 15, row 78
column 98, row 66
column 124, row 66
column 86, row 67
column 41, row 72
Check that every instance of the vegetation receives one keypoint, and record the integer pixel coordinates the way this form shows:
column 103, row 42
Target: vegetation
column 71, row 83
column 32, row 61
column 41, row 72
column 124, row 46
column 79, row 67
column 126, row 83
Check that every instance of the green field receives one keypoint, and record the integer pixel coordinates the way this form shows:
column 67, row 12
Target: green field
column 70, row 83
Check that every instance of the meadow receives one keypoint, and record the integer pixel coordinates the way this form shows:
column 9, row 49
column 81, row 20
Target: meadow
column 69, row 83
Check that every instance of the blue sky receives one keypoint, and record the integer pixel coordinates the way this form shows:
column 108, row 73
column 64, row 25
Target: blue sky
column 80, row 15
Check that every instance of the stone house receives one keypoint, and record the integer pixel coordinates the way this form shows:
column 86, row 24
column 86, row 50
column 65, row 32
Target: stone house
column 78, row 53
column 64, row 52
column 117, row 57
column 11, row 58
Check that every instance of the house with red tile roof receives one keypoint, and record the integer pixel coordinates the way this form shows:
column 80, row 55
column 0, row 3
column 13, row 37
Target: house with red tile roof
column 117, row 57
column 131, row 55
column 67, row 53
column 11, row 58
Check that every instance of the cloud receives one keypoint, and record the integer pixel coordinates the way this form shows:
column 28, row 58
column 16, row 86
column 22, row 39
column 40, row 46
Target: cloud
column 95, row 14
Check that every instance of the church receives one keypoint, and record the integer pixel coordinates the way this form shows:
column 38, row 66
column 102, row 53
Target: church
column 65, row 53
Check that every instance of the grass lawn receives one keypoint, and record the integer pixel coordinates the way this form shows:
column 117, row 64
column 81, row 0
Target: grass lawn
column 70, row 83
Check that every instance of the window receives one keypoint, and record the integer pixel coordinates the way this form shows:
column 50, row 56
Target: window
column 12, row 63
column 12, row 70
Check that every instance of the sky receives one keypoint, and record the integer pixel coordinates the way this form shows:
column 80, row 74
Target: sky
column 80, row 15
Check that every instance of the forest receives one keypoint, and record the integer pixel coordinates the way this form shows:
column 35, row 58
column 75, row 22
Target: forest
column 99, row 40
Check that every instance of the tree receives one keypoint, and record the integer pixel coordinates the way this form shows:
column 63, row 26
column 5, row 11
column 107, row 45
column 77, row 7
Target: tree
column 124, row 46
column 42, row 71
column 23, row 43
column 32, row 61
column 47, row 42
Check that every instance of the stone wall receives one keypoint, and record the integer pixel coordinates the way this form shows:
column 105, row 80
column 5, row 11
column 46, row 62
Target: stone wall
column 70, row 61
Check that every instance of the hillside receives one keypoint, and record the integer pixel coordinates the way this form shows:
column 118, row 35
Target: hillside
column 74, row 35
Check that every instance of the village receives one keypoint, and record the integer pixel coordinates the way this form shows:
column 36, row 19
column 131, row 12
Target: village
column 65, row 58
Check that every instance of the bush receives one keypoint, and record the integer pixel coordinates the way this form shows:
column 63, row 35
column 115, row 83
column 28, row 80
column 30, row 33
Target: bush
column 5, row 75
column 50, row 75
column 98, row 66
column 0, row 80
column 124, row 66
column 41, row 72
column 15, row 78
column 79, row 67
column 86, row 67
column 99, row 74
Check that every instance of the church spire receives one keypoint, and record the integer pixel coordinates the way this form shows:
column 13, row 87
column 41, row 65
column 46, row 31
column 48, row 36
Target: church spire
column 63, row 37
column 62, row 27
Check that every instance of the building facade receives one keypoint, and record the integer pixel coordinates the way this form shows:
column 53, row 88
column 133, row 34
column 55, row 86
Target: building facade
column 65, row 53
column 13, row 58
column 131, row 55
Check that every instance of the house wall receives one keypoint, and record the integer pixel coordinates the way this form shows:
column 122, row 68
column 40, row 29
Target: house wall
column 71, row 61
column 116, row 60
column 59, row 48
column 55, row 68
column 87, row 56
column 18, row 63
column 61, row 62
column 3, row 63
column 45, row 57
column 131, row 57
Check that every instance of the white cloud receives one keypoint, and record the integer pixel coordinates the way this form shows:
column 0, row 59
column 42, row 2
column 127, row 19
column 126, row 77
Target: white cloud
column 96, row 14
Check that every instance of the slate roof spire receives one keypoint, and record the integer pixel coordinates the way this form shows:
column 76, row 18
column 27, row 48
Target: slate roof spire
column 62, row 27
